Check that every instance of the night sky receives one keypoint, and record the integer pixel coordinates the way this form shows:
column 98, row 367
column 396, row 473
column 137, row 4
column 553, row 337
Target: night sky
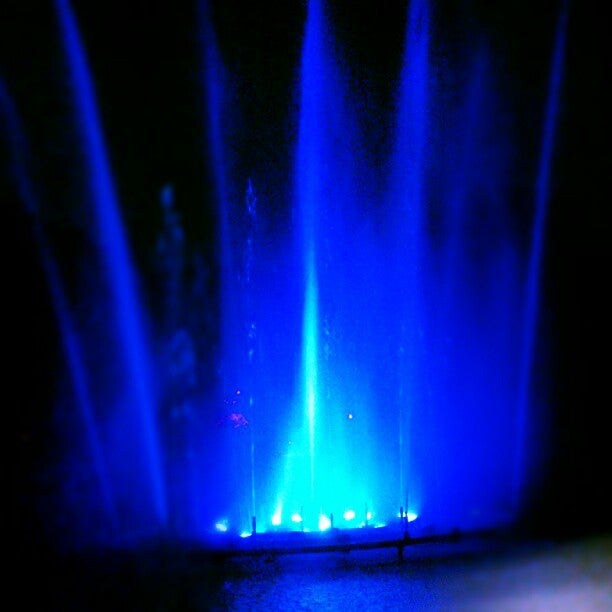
column 146, row 60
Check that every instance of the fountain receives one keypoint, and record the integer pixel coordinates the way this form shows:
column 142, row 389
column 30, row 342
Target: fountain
column 371, row 338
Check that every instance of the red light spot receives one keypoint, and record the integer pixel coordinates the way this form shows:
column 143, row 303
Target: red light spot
column 238, row 420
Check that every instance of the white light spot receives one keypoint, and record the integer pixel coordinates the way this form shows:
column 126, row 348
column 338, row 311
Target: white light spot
column 324, row 522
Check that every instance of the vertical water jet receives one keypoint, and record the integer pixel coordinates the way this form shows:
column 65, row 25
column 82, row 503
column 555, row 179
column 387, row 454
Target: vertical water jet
column 408, row 184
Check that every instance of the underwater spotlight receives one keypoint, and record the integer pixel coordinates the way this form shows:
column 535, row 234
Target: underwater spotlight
column 296, row 517
column 409, row 516
column 349, row 515
column 276, row 519
column 221, row 526
column 324, row 522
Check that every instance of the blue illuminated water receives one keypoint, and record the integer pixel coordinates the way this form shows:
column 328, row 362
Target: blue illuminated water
column 137, row 409
column 534, row 271
column 372, row 338
column 69, row 336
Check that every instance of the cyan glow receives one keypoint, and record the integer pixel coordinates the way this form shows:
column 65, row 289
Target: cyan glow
column 310, row 361
column 349, row 515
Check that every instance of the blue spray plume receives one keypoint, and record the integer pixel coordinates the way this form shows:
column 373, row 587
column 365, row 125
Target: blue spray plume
column 118, row 266
column 370, row 355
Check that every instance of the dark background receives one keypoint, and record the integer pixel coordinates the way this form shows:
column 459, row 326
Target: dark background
column 145, row 57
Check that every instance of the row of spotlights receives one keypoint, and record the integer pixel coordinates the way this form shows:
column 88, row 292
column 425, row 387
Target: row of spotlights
column 324, row 521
